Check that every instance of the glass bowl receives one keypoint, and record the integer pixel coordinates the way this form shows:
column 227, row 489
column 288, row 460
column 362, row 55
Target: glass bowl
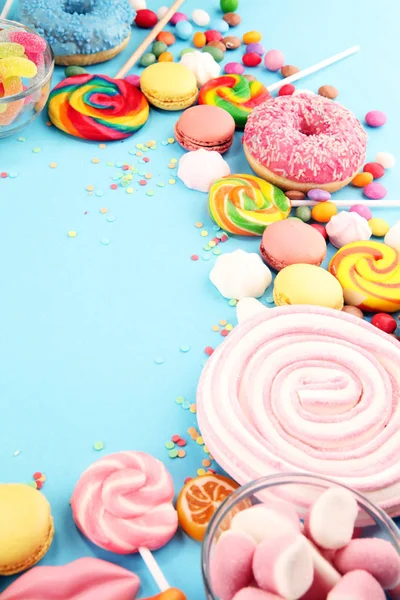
column 18, row 110
column 287, row 487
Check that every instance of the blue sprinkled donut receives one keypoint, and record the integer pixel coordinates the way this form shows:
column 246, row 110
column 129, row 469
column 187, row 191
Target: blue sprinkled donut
column 81, row 32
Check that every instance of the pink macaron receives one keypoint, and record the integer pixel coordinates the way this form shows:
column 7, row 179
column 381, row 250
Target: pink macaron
column 290, row 242
column 205, row 126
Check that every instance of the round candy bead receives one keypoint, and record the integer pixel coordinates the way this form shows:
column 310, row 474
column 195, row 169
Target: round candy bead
column 158, row 48
column 220, row 25
column 148, row 59
column 232, row 42
column 184, row 30
column 375, row 118
column 213, row 35
column 385, row 159
column 229, row 5
column 167, row 37
column 74, row 70
column 199, row 39
column 328, row 91
column 362, row 210
column 289, row 70
column 274, row 60
column 295, row 195
column 286, row 90
column 362, row 179
column 303, row 213
column 216, row 53
column 324, row 211
column 178, row 16
column 256, row 47
column 146, row 19
column 321, row 229
column 251, row 59
column 166, row 57
column 162, row 11
column 318, row 195
column 219, row 45
column 252, row 37
column 133, row 79
column 353, row 310
column 376, row 170
column 200, row 17
column 186, row 51
column 385, row 322
column 379, row 227
column 234, row 68
column 375, row 191
column 232, row 19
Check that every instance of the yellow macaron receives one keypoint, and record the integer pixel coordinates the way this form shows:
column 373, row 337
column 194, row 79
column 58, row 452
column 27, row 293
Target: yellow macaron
column 169, row 86
column 26, row 527
column 307, row 284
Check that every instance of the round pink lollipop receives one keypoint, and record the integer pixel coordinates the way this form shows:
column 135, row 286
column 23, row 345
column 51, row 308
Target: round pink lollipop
column 123, row 502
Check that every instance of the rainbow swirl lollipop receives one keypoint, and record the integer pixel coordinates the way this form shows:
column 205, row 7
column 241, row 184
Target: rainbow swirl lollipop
column 245, row 205
column 235, row 94
column 97, row 107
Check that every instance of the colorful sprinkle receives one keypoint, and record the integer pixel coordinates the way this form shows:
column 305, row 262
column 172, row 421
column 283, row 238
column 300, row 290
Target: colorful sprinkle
column 179, row 399
column 53, row 165
column 204, row 233
column 194, row 257
column 184, row 348
column 98, row 446
column 159, row 360
column 169, row 445
column 181, row 453
column 173, row 453
column 72, row 233
column 95, row 160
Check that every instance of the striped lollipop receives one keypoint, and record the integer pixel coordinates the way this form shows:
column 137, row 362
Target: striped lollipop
column 97, row 107
column 245, row 205
column 235, row 94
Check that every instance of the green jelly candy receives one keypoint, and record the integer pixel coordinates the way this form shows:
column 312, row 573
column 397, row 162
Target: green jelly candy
column 303, row 213
column 229, row 5
column 186, row 51
column 74, row 70
column 148, row 59
column 216, row 53
column 158, row 48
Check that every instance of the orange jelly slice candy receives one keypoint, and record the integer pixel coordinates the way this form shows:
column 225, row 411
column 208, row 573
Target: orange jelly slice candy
column 198, row 501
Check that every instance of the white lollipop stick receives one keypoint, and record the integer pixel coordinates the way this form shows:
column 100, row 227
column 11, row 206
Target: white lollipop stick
column 314, row 69
column 6, row 9
column 154, row 569
column 370, row 203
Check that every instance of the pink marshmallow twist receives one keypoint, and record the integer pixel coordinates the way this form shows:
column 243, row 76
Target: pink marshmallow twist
column 123, row 502
column 309, row 389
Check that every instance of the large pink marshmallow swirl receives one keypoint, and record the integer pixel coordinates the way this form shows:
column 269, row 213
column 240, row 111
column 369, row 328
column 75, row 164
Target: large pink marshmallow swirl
column 306, row 138
column 301, row 388
column 83, row 579
column 124, row 501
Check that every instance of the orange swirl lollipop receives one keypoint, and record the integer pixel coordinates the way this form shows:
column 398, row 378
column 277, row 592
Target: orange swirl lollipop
column 369, row 273
column 246, row 205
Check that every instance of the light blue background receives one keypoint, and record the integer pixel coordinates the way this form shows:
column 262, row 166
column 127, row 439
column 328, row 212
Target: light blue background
column 81, row 323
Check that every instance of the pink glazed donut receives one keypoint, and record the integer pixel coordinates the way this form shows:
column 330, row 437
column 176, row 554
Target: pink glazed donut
column 304, row 142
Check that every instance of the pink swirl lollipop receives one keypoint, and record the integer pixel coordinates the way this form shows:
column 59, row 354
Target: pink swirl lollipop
column 123, row 502
column 303, row 388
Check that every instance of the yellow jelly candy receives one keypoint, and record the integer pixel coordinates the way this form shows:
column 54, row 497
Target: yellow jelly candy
column 12, row 86
column 10, row 49
column 379, row 227
column 16, row 66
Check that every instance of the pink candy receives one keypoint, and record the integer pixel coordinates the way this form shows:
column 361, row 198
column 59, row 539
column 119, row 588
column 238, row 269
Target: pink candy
column 284, row 566
column 336, row 531
column 374, row 555
column 30, row 41
column 178, row 16
column 362, row 210
column 375, row 191
column 231, row 564
column 234, row 68
column 325, row 576
column 133, row 79
column 274, row 60
column 375, row 118
column 357, row 585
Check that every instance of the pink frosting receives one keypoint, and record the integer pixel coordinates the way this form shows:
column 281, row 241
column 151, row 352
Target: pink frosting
column 124, row 501
column 83, row 579
column 306, row 138
column 304, row 388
